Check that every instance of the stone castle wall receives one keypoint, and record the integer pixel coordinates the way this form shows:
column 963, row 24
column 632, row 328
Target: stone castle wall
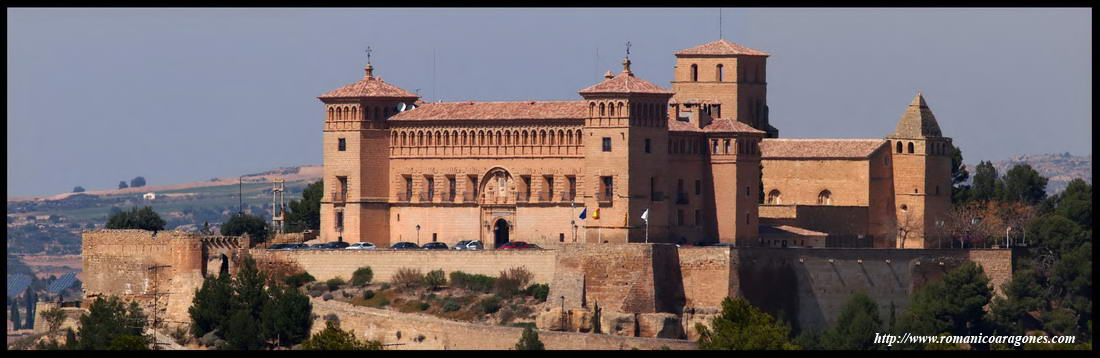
column 327, row 264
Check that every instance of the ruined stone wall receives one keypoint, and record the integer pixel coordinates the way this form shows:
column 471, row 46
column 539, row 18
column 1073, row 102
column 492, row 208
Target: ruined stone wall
column 326, row 264
column 405, row 329
column 634, row 278
column 706, row 275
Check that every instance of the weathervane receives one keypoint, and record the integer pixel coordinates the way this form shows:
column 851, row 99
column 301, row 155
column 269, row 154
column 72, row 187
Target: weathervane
column 628, row 49
column 368, row 55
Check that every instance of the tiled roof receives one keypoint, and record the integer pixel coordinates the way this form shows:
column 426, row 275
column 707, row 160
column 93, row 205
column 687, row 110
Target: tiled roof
column 819, row 148
column 625, row 82
column 917, row 121
column 787, row 229
column 721, row 48
column 724, row 125
column 369, row 86
column 495, row 110
column 695, row 101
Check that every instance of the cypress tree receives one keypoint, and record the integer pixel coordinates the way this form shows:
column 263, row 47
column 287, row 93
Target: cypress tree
column 15, row 321
column 31, row 299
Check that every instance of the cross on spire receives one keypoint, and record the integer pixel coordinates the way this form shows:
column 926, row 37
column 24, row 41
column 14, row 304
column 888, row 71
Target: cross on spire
column 368, row 54
column 370, row 68
column 628, row 49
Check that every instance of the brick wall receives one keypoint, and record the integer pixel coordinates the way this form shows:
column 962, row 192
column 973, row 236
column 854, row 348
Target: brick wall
column 439, row 334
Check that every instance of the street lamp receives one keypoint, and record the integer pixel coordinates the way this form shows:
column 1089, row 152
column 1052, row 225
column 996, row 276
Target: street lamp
column 417, row 234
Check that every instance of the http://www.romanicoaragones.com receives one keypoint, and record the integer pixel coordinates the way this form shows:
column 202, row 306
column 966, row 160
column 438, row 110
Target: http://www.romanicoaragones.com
column 891, row 339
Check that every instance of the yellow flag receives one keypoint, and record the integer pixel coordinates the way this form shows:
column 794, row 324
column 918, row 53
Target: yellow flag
column 596, row 215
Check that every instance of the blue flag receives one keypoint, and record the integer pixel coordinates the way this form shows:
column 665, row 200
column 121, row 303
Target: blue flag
column 584, row 213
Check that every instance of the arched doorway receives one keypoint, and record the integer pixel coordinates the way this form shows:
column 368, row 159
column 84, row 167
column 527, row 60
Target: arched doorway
column 500, row 233
column 224, row 270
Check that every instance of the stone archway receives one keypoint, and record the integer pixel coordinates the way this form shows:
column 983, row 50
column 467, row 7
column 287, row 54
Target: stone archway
column 501, row 232
column 224, row 268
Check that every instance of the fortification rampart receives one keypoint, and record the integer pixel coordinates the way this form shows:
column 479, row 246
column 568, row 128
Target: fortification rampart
column 326, row 264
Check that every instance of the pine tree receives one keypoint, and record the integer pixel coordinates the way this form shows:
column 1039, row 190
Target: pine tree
column 743, row 326
column 529, row 341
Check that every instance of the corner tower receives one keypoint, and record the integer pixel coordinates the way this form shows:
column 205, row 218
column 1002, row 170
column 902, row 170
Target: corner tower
column 723, row 80
column 922, row 175
column 625, row 136
column 356, row 159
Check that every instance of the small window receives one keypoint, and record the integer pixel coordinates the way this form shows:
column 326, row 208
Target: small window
column 608, row 187
column 899, row 147
column 698, row 187
column 342, row 144
column 774, row 197
column 647, row 145
column 694, row 73
column 434, row 237
column 910, row 147
column 561, row 237
column 824, row 198
column 904, row 207
column 607, row 144
column 719, row 71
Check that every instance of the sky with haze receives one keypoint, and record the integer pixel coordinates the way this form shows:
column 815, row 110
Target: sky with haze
column 97, row 96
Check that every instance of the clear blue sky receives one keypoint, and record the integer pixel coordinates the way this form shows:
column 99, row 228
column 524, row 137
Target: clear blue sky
column 96, row 96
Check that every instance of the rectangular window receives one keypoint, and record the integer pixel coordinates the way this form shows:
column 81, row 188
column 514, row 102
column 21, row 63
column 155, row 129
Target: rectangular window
column 408, row 188
column 473, row 183
column 342, row 144
column 698, row 187
column 431, row 187
column 339, row 221
column 647, row 145
column 549, row 187
column 434, row 237
column 608, row 188
column 526, row 186
column 561, row 237
column 572, row 187
column 653, row 188
column 607, row 144
column 451, row 187
column 679, row 216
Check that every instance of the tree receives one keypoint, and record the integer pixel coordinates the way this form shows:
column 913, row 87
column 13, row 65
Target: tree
column 985, row 184
column 54, row 317
column 856, row 326
column 742, row 326
column 529, row 341
column 286, row 316
column 953, row 305
column 1022, row 294
column 32, row 298
column 362, row 276
column 108, row 319
column 16, row 322
column 78, row 189
column 137, row 182
column 122, row 185
column 1024, row 184
column 1074, row 203
column 242, row 331
column 960, row 192
column 241, row 223
column 332, row 338
column 305, row 214
column 144, row 219
column 211, row 305
column 243, row 328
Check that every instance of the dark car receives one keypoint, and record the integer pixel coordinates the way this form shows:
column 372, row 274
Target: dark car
column 404, row 246
column 468, row 245
column 317, row 246
column 722, row 244
column 297, row 247
column 278, row 247
column 435, row 246
column 336, row 245
column 516, row 245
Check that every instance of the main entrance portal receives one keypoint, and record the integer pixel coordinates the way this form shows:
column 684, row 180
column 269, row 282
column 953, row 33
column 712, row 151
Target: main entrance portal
column 500, row 233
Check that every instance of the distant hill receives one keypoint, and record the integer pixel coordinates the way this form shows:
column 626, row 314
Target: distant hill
column 1059, row 168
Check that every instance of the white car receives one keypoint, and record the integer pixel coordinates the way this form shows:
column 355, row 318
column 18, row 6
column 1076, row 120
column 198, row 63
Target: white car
column 360, row 246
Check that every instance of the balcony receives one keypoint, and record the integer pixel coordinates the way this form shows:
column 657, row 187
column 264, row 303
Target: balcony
column 339, row 196
column 682, row 198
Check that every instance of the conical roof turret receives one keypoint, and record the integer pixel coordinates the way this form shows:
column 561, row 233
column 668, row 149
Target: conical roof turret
column 917, row 121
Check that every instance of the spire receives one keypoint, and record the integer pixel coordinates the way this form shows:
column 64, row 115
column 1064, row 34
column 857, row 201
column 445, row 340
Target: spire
column 369, row 69
column 626, row 61
column 917, row 121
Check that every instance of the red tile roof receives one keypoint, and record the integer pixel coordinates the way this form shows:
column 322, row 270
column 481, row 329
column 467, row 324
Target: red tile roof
column 369, row 86
column 819, row 148
column 624, row 82
column 721, row 48
column 724, row 125
column 495, row 110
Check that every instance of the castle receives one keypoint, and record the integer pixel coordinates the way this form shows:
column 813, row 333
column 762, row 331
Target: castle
column 701, row 162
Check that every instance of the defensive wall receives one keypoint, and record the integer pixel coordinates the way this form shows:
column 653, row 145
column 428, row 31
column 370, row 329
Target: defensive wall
column 806, row 286
column 404, row 331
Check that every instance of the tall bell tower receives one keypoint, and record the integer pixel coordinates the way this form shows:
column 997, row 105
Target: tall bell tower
column 726, row 80
column 922, row 175
column 354, row 205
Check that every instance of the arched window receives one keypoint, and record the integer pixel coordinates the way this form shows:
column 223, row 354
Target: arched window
column 910, row 147
column 774, row 197
column 403, row 141
column 393, row 139
column 524, row 142
column 611, row 110
column 591, row 109
column 899, row 147
column 542, row 137
column 694, row 73
column 718, row 72
column 355, row 113
column 715, row 151
column 727, row 146
column 480, row 138
column 580, row 140
column 377, row 112
column 420, row 138
column 464, row 138
column 429, row 138
column 561, row 137
column 825, row 198
column 621, row 109
column 603, row 110
column 330, row 113
column 551, row 141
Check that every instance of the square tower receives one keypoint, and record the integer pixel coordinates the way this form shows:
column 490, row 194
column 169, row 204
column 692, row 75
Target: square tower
column 922, row 175
column 729, row 77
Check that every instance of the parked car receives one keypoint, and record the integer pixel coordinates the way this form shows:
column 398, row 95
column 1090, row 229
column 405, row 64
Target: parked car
column 434, row 246
column 278, row 247
column 722, row 244
column 336, row 245
column 361, row 246
column 316, row 246
column 468, row 245
column 297, row 247
column 516, row 245
column 404, row 246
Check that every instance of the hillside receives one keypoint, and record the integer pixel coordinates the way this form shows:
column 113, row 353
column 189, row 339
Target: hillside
column 1060, row 168
column 52, row 225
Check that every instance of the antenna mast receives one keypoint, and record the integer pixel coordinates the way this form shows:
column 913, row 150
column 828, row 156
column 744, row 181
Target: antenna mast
column 278, row 206
column 720, row 24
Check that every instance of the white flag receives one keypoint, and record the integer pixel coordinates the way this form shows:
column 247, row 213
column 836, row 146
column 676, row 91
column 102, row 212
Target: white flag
column 645, row 215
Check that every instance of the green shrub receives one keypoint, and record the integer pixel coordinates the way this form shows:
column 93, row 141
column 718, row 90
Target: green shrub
column 335, row 283
column 362, row 276
column 507, row 316
column 539, row 291
column 512, row 281
column 451, row 306
column 368, row 294
column 481, row 283
column 408, row 278
column 435, row 279
column 315, row 293
column 384, row 286
column 326, row 297
column 490, row 304
column 424, row 306
column 299, row 279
